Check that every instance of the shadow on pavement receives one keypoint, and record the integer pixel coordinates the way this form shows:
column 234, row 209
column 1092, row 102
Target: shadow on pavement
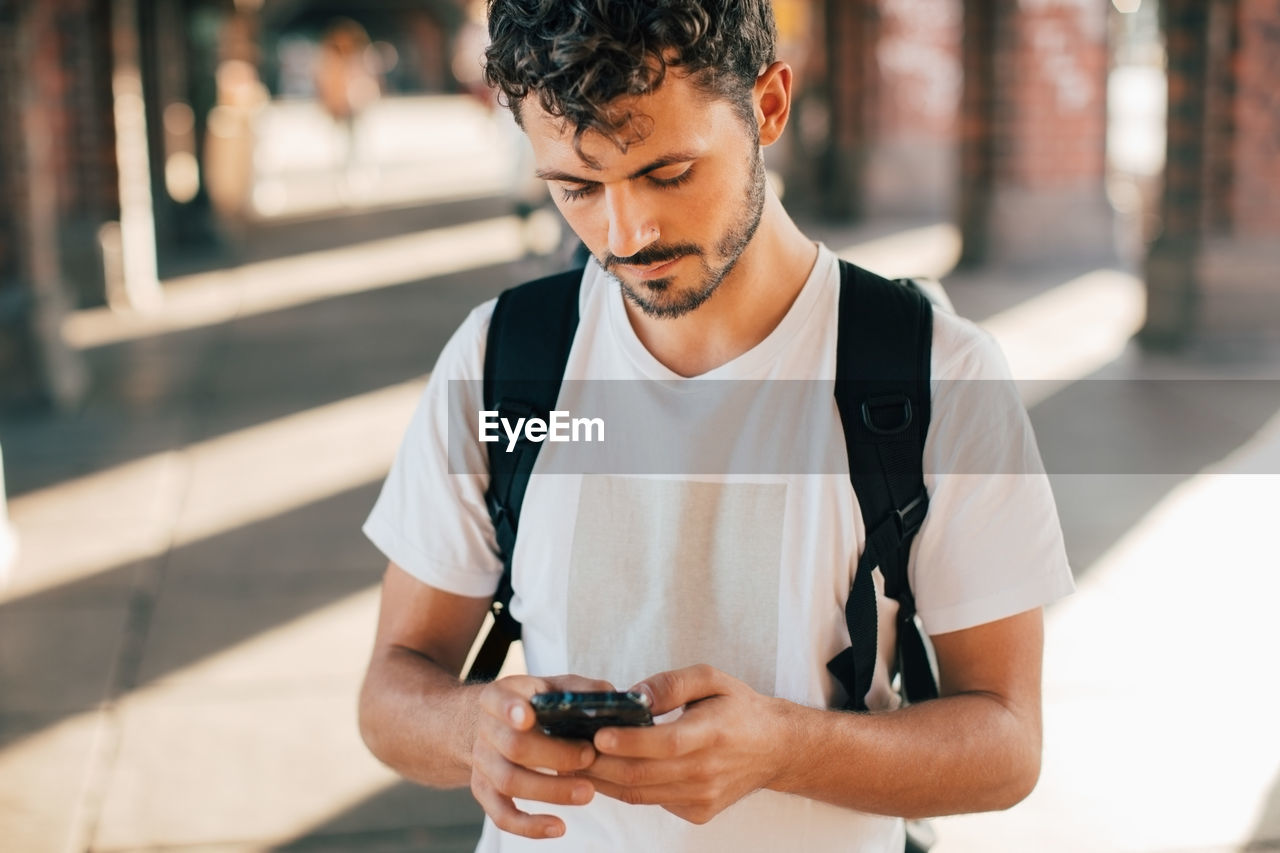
column 1114, row 448
column 163, row 392
column 271, row 239
column 1266, row 834
column 404, row 817
column 178, row 610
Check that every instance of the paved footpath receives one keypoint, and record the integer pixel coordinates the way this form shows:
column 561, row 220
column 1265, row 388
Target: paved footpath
column 186, row 626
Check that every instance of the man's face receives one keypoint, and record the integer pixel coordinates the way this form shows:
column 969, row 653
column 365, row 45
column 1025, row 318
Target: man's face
column 670, row 217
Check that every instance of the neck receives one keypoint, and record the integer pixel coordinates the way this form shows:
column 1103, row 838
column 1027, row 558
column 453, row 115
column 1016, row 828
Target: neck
column 745, row 308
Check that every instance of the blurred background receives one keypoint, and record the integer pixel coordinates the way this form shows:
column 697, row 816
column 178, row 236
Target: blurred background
column 235, row 235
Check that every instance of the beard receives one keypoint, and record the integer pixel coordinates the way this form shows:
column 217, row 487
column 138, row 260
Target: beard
column 657, row 298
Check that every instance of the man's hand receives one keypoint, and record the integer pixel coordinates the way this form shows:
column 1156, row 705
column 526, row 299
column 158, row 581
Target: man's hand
column 724, row 746
column 511, row 755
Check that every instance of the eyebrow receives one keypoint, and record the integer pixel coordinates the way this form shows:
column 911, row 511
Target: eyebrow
column 667, row 160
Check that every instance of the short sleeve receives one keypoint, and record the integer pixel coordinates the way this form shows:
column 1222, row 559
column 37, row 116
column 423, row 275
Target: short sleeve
column 991, row 545
column 431, row 522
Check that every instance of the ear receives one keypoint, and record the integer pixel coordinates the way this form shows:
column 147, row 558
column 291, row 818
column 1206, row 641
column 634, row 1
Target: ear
column 772, row 98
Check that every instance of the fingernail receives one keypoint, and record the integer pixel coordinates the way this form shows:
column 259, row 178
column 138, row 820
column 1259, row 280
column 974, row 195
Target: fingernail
column 588, row 755
column 516, row 714
column 555, row 830
column 607, row 740
column 581, row 794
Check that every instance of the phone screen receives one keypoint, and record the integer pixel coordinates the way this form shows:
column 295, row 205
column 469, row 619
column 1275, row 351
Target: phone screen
column 580, row 715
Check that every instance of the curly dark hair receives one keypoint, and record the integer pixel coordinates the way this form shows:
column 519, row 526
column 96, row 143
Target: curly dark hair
column 579, row 56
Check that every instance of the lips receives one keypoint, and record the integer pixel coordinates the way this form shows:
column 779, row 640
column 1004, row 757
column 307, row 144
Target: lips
column 653, row 270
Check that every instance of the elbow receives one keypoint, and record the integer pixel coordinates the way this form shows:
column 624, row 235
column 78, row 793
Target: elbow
column 368, row 719
column 1021, row 786
column 1019, row 766
column 1008, row 773
column 1021, row 779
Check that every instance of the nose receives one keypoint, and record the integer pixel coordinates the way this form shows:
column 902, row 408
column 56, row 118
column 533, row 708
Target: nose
column 632, row 220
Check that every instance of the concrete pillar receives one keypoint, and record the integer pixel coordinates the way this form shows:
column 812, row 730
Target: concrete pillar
column 1211, row 273
column 1033, row 132
column 135, row 283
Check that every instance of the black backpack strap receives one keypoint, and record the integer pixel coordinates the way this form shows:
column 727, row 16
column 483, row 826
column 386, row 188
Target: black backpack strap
column 882, row 392
column 530, row 336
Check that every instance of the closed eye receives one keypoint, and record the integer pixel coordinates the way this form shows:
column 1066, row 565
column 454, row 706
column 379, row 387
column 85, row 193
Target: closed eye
column 575, row 192
column 673, row 181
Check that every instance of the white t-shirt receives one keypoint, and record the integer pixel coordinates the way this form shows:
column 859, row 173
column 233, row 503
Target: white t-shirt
column 620, row 576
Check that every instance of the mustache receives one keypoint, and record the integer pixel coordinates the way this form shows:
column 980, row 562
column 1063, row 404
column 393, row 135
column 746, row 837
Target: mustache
column 650, row 255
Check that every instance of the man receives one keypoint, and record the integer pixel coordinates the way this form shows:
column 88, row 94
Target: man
column 719, row 597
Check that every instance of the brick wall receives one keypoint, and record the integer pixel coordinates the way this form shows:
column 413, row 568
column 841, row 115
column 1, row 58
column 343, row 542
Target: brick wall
column 19, row 361
column 88, row 182
column 849, row 51
column 979, row 35
column 1052, row 75
column 1256, row 190
column 92, row 131
column 1186, row 24
column 918, row 65
column 55, row 56
column 10, row 156
column 1035, row 91
column 1033, row 132
column 72, row 76
column 1219, row 45
column 914, row 105
column 1211, row 272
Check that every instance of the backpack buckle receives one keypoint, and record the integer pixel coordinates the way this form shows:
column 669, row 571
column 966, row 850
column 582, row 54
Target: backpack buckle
column 907, row 524
column 898, row 404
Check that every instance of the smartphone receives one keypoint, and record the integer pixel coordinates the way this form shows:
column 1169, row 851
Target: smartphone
column 581, row 715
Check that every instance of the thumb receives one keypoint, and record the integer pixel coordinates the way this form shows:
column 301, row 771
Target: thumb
column 678, row 687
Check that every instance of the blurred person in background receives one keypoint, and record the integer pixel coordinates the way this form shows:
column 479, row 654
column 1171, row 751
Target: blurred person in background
column 231, row 138
column 526, row 193
column 648, row 121
column 348, row 80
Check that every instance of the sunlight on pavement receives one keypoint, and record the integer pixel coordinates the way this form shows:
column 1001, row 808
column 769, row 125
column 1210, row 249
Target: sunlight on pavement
column 928, row 252
column 146, row 507
column 210, row 298
column 43, row 783
column 1069, row 332
column 120, row 515
column 276, row 715
column 1050, row 340
column 232, row 734
column 1159, row 727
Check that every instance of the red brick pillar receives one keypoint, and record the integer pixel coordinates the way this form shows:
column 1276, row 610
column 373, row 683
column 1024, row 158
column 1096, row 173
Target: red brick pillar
column 1033, row 132
column 19, row 356
column 1212, row 271
column 849, row 52
column 48, row 168
column 911, row 164
column 1257, row 109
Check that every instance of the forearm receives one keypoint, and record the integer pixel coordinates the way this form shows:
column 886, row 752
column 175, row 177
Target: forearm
column 418, row 719
column 963, row 753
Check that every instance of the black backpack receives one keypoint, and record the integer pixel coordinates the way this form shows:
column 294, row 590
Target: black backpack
column 882, row 392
